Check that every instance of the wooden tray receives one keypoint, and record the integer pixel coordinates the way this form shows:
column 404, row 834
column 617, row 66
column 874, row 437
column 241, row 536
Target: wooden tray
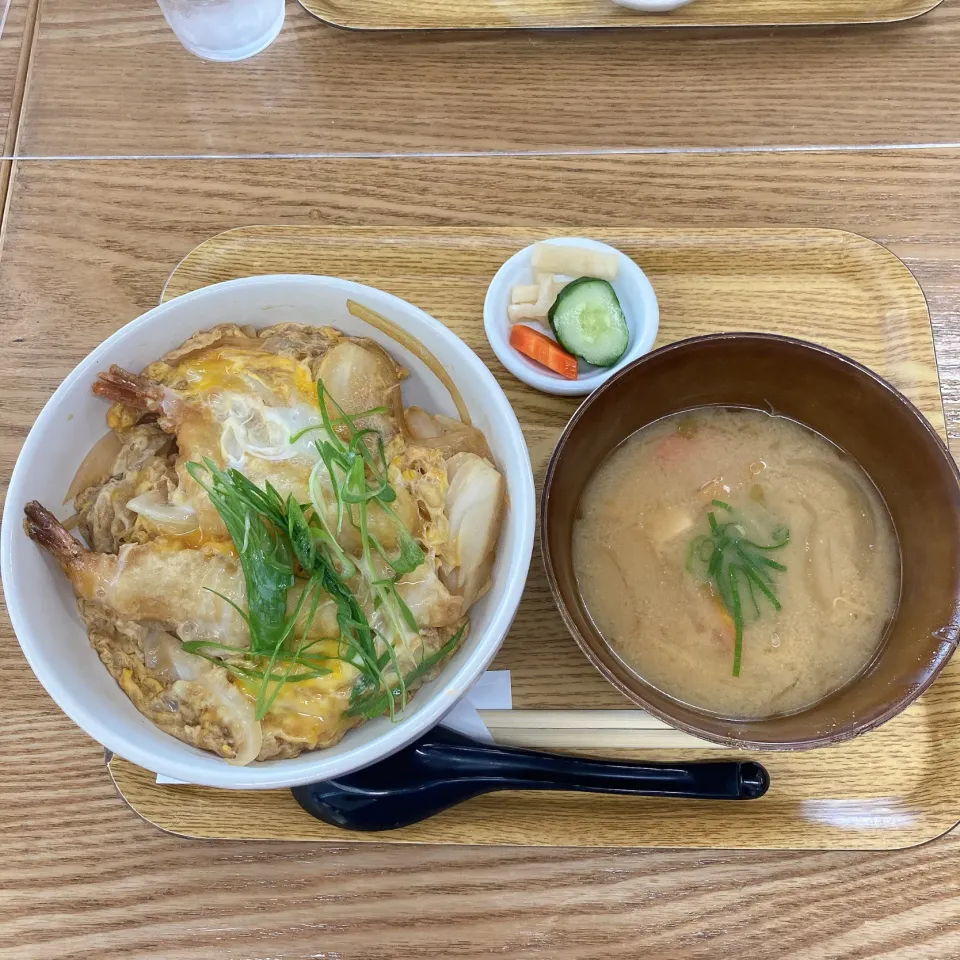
column 892, row 788
column 529, row 14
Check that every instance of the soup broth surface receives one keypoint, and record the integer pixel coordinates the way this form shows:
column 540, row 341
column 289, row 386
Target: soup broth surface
column 667, row 586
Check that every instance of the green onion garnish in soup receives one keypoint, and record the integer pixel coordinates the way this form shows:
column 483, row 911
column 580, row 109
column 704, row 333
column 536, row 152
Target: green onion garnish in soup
column 729, row 561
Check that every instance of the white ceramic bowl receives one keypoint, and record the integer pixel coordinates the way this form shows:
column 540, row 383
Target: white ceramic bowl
column 633, row 290
column 41, row 602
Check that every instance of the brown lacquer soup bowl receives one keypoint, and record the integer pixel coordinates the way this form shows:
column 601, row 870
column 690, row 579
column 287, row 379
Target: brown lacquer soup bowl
column 849, row 405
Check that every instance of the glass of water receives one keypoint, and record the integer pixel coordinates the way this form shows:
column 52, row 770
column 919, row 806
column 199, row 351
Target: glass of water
column 224, row 29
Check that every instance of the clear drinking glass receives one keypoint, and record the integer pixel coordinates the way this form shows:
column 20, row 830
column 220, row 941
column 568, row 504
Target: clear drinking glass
column 224, row 29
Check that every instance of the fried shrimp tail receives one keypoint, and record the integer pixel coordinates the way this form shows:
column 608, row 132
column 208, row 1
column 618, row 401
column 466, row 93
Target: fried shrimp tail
column 190, row 591
column 132, row 389
column 152, row 581
column 44, row 528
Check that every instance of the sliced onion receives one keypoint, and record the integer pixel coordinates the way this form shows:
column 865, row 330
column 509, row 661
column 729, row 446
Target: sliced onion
column 178, row 518
column 97, row 465
column 212, row 689
column 421, row 425
column 318, row 485
column 166, row 659
column 239, row 715
column 449, row 436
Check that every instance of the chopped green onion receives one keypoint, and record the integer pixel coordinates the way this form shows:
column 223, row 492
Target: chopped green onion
column 726, row 556
column 282, row 541
column 371, row 703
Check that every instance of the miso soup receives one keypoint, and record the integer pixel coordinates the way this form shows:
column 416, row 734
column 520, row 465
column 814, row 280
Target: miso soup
column 738, row 561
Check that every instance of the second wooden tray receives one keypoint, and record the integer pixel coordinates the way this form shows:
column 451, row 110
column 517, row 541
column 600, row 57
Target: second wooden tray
column 892, row 788
column 530, row 14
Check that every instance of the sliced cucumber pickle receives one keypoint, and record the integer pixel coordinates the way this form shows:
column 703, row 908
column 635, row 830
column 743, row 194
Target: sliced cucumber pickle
column 588, row 321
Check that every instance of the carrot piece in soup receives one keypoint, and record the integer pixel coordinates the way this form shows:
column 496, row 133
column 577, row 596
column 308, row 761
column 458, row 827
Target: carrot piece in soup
column 724, row 631
column 673, row 449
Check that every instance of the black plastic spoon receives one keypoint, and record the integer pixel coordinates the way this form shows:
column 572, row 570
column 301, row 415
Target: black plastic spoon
column 444, row 768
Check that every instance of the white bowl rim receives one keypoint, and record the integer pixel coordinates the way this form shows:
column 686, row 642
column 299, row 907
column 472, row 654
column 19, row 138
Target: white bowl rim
column 497, row 325
column 260, row 775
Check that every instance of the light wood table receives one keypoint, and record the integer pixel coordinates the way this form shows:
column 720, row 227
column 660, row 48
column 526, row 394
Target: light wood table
column 109, row 79
column 88, row 246
column 17, row 20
